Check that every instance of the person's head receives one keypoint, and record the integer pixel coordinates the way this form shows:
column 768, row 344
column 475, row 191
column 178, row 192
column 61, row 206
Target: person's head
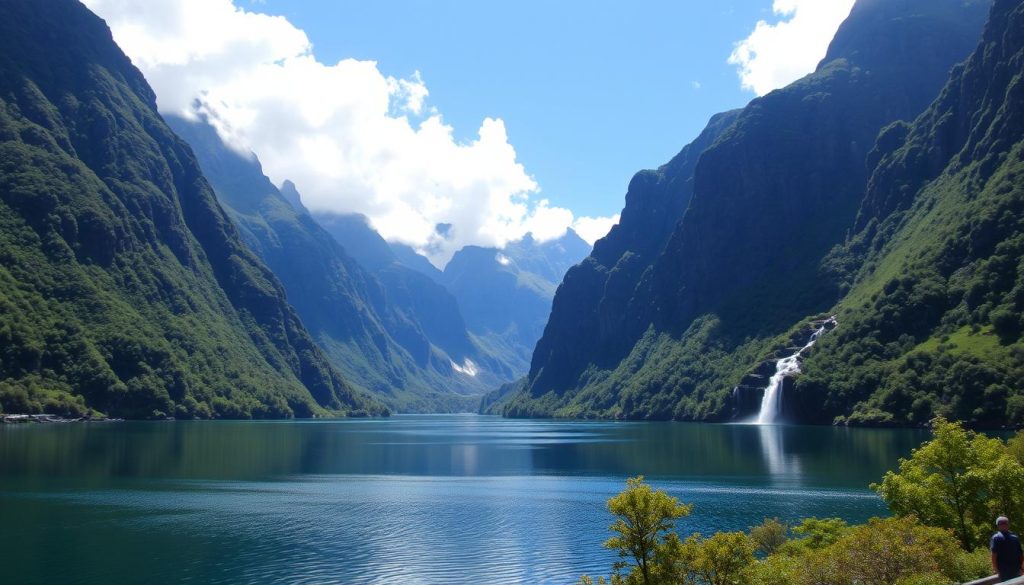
column 1003, row 523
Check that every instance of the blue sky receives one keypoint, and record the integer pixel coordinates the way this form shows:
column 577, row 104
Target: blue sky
column 590, row 92
column 497, row 118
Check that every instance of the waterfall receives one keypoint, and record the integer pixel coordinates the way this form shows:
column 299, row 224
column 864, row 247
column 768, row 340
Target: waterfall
column 771, row 403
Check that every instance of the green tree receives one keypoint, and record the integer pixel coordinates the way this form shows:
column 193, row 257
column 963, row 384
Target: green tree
column 778, row 569
column 644, row 518
column 815, row 534
column 959, row 480
column 1015, row 447
column 886, row 551
column 722, row 559
column 769, row 536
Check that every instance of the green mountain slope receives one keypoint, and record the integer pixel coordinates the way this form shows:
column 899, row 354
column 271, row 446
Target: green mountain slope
column 124, row 288
column 771, row 196
column 933, row 318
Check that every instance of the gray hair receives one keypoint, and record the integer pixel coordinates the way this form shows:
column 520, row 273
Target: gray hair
column 1001, row 520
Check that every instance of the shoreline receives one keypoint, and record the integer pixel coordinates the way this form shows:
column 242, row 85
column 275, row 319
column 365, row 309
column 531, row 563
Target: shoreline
column 15, row 419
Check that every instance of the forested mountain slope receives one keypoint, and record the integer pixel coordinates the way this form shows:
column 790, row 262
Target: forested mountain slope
column 774, row 190
column 124, row 287
column 932, row 321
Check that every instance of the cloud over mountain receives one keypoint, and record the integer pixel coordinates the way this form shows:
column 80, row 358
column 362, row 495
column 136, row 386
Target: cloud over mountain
column 352, row 138
column 775, row 55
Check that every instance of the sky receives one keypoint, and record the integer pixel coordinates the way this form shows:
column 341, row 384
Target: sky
column 497, row 118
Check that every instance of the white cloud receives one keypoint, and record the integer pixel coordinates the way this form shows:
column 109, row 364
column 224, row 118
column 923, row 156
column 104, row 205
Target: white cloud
column 351, row 138
column 775, row 55
column 592, row 229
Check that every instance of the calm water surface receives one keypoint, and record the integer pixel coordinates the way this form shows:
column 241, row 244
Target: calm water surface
column 413, row 499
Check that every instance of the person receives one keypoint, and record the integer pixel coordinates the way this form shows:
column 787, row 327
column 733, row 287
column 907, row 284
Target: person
column 1007, row 555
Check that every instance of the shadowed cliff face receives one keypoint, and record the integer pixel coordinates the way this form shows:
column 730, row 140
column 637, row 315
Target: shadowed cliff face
column 589, row 309
column 125, row 288
column 772, row 194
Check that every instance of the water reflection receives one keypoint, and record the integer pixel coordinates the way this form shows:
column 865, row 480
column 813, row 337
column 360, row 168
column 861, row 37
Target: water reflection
column 94, row 455
column 783, row 468
column 451, row 499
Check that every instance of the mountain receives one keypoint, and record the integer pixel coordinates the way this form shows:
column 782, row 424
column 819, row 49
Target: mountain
column 487, row 306
column 418, row 293
column 680, row 320
column 124, row 286
column 932, row 320
column 506, row 294
column 593, row 296
column 371, row 328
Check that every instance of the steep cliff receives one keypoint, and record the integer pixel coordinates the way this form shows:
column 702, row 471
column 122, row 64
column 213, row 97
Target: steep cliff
column 771, row 196
column 124, row 287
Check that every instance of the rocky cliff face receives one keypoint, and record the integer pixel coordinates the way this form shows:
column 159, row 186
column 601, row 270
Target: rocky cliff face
column 777, row 193
column 772, row 194
column 125, row 287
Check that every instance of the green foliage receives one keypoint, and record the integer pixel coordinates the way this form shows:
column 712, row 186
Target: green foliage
column 722, row 559
column 959, row 480
column 958, row 470
column 769, row 536
column 774, row 570
column 816, row 534
column 882, row 552
column 644, row 518
column 663, row 378
column 899, row 550
column 968, row 566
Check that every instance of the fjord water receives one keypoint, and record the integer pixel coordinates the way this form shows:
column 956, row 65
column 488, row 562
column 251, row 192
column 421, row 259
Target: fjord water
column 411, row 499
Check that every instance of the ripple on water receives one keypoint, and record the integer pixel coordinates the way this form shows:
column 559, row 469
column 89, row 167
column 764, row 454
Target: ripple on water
column 394, row 529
